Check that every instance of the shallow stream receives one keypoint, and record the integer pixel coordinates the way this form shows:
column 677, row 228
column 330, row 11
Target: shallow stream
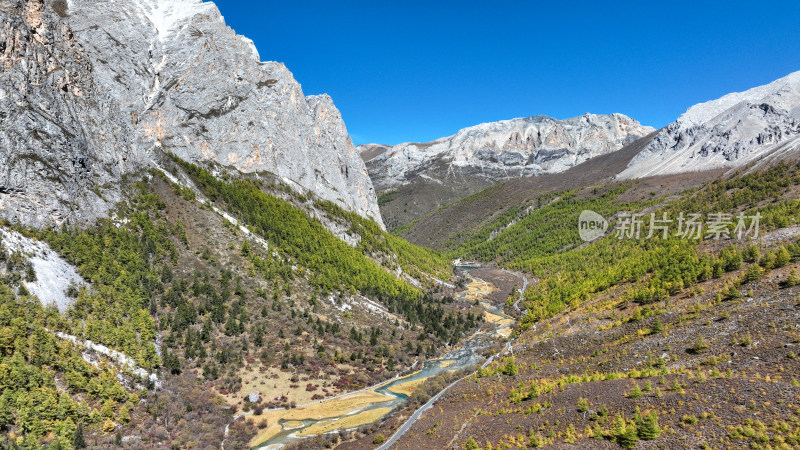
column 465, row 356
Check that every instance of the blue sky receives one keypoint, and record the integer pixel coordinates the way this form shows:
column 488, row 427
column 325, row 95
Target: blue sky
column 417, row 71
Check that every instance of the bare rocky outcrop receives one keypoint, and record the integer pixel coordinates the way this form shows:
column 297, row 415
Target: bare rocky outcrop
column 64, row 142
column 731, row 131
column 500, row 150
column 90, row 93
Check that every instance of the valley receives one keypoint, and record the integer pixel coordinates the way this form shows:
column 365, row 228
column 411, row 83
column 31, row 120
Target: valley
column 194, row 254
column 364, row 407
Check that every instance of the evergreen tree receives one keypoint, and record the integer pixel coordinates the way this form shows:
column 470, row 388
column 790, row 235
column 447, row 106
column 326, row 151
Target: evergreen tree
column 782, row 257
column 658, row 327
column 77, row 439
column 793, row 279
column 647, row 427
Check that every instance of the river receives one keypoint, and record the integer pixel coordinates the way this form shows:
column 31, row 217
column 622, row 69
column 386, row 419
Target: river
column 370, row 405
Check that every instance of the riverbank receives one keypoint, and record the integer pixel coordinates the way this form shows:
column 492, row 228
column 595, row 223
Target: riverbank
column 348, row 411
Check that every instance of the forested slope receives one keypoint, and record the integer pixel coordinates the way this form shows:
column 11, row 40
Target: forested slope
column 687, row 340
column 214, row 310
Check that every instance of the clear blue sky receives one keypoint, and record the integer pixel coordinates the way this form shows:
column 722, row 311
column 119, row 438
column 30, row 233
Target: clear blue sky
column 416, row 71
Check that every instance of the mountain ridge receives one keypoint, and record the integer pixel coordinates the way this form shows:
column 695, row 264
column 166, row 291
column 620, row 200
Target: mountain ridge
column 113, row 86
column 727, row 132
column 514, row 147
column 413, row 179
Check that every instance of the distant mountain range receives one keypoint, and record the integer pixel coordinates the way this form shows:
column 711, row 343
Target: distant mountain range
column 497, row 150
column 415, row 179
column 418, row 178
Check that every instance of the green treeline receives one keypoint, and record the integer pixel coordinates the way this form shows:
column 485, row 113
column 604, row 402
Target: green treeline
column 124, row 260
column 333, row 265
column 545, row 242
column 47, row 390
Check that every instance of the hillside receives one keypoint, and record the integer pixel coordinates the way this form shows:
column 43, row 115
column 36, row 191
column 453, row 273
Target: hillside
column 637, row 342
column 731, row 131
column 214, row 308
column 194, row 255
column 447, row 227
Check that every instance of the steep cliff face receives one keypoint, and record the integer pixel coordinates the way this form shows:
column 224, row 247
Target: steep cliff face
column 509, row 148
column 64, row 140
column 731, row 131
column 141, row 77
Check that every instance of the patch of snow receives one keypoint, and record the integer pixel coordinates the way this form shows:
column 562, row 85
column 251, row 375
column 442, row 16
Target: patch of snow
column 372, row 305
column 430, row 178
column 440, row 282
column 704, row 112
column 166, row 15
column 728, row 132
column 201, row 198
column 507, row 148
column 53, row 274
column 343, row 307
column 120, row 359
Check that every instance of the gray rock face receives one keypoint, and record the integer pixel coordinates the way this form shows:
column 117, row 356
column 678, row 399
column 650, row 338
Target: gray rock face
column 505, row 149
column 64, row 141
column 119, row 83
column 731, row 131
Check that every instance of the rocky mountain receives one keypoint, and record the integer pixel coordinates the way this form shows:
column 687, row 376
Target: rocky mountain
column 728, row 132
column 415, row 179
column 89, row 94
column 509, row 148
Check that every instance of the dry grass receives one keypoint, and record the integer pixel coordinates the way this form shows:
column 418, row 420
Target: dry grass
column 353, row 421
column 407, row 388
column 478, row 290
column 275, row 383
column 323, row 410
column 266, row 434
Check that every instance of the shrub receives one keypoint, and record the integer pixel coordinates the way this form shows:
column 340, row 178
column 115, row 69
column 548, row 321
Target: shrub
column 636, row 392
column 746, row 340
column 698, row 346
column 793, row 279
column 782, row 257
column 658, row 327
column 379, row 439
column 647, row 427
column 754, row 273
column 510, row 367
column 624, row 433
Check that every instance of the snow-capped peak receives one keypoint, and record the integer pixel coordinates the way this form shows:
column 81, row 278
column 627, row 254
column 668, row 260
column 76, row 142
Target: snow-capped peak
column 733, row 130
column 704, row 112
column 165, row 15
column 508, row 148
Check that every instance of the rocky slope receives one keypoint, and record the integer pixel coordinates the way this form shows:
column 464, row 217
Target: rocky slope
column 731, row 131
column 509, row 148
column 89, row 94
column 415, row 179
